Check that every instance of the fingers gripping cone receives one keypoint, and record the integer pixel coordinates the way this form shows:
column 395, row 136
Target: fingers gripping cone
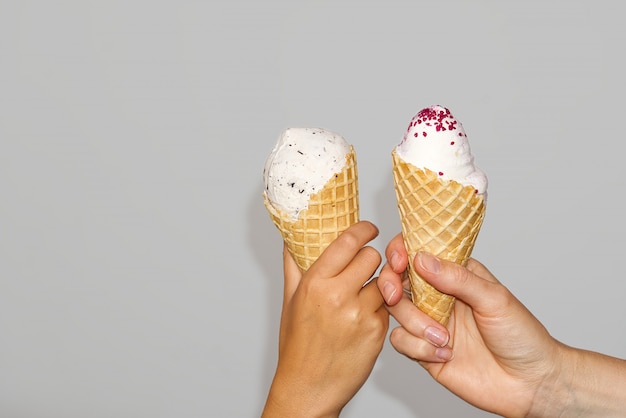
column 442, row 217
column 330, row 211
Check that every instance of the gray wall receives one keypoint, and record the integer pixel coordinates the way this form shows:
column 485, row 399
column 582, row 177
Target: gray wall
column 139, row 272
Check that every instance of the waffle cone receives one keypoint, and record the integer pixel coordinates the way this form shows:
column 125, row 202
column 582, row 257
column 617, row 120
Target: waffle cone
column 331, row 210
column 442, row 217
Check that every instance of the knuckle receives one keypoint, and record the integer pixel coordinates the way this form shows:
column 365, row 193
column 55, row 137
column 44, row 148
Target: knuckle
column 462, row 275
column 349, row 238
column 372, row 255
column 375, row 326
column 335, row 300
column 502, row 294
column 395, row 336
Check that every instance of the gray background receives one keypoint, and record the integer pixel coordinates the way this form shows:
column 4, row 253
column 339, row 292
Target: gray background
column 140, row 275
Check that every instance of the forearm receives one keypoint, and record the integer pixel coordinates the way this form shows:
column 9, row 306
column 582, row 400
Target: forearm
column 586, row 384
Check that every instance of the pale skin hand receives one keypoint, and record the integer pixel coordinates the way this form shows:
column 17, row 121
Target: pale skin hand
column 332, row 328
column 504, row 360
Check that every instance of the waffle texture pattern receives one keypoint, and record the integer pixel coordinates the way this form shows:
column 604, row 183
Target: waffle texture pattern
column 330, row 211
column 442, row 217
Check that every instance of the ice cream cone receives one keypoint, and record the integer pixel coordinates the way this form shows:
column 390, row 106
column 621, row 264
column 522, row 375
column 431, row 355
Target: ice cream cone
column 442, row 217
column 330, row 211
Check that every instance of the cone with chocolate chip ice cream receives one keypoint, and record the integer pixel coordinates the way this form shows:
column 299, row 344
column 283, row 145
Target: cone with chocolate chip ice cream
column 441, row 198
column 311, row 190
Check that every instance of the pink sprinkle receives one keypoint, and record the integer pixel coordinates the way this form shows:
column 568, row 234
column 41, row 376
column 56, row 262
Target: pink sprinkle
column 452, row 143
column 424, row 134
column 441, row 173
column 415, row 134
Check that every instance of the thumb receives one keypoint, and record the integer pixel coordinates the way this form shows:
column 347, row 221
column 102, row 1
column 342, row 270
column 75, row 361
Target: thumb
column 292, row 275
column 480, row 292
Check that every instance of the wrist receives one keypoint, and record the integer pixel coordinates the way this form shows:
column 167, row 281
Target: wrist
column 583, row 384
column 553, row 393
column 290, row 399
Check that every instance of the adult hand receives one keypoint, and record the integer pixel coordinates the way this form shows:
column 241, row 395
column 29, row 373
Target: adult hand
column 332, row 328
column 503, row 356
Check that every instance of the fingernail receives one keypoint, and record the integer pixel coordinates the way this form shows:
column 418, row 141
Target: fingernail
column 429, row 262
column 393, row 260
column 436, row 336
column 444, row 353
column 388, row 291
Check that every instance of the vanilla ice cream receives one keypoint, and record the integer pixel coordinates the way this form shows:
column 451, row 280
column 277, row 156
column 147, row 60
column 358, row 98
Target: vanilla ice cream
column 300, row 164
column 436, row 140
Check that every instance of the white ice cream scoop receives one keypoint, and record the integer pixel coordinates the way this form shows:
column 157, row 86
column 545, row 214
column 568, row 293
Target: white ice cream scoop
column 300, row 164
column 436, row 140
